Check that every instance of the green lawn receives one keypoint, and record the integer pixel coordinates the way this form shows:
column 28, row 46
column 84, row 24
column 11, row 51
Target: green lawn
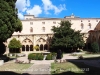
column 15, row 67
column 73, row 68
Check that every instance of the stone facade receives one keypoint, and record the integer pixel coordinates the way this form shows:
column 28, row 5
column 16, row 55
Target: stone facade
column 37, row 30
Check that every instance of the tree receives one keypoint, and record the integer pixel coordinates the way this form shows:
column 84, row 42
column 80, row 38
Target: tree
column 65, row 37
column 9, row 21
column 95, row 47
column 14, row 44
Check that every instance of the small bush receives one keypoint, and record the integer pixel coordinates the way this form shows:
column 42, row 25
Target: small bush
column 49, row 56
column 95, row 47
column 36, row 56
column 40, row 56
column 31, row 56
column 80, row 57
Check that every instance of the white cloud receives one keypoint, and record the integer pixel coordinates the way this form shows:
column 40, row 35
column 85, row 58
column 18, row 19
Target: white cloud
column 36, row 10
column 49, row 6
column 24, row 6
column 20, row 15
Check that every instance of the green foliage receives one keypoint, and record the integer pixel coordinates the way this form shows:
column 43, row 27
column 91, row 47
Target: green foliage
column 36, row 47
column 31, row 56
column 49, row 56
column 40, row 56
column 9, row 21
column 95, row 47
column 14, row 43
column 65, row 37
column 36, row 56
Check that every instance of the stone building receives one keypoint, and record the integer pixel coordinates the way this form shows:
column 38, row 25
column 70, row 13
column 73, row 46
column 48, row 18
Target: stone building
column 37, row 30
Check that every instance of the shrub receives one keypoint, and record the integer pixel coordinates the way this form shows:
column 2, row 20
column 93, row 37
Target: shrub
column 95, row 47
column 80, row 57
column 40, row 56
column 36, row 56
column 49, row 56
column 4, row 57
column 54, row 55
column 31, row 56
column 36, row 48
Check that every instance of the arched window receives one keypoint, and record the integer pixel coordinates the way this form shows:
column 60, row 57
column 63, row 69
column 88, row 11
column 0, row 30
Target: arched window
column 27, row 47
column 82, row 25
column 43, row 29
column 45, row 47
column 31, row 29
column 23, row 47
column 90, row 25
column 41, row 47
column 31, row 47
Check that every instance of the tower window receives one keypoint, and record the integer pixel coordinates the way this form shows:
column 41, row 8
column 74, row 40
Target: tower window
column 31, row 23
column 43, row 22
column 54, row 22
column 31, row 29
column 82, row 25
column 43, row 29
column 90, row 25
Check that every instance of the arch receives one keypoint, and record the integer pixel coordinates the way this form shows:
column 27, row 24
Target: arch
column 41, row 47
column 23, row 47
column 27, row 41
column 40, row 40
column 27, row 47
column 31, row 47
column 45, row 47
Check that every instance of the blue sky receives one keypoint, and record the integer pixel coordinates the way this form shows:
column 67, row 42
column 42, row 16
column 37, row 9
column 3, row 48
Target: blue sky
column 59, row 8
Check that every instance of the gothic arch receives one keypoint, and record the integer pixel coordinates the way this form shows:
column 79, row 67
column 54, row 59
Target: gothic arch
column 27, row 45
column 40, row 40
column 27, row 41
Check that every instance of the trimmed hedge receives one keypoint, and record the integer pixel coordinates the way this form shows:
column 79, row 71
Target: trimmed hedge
column 40, row 56
column 49, row 57
column 36, row 56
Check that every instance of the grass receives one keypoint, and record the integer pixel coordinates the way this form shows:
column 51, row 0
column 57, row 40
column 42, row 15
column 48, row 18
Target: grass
column 73, row 68
column 87, row 54
column 15, row 67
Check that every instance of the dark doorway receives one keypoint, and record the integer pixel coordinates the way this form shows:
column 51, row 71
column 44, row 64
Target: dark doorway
column 31, row 47
column 23, row 47
column 41, row 47
column 45, row 47
column 27, row 47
